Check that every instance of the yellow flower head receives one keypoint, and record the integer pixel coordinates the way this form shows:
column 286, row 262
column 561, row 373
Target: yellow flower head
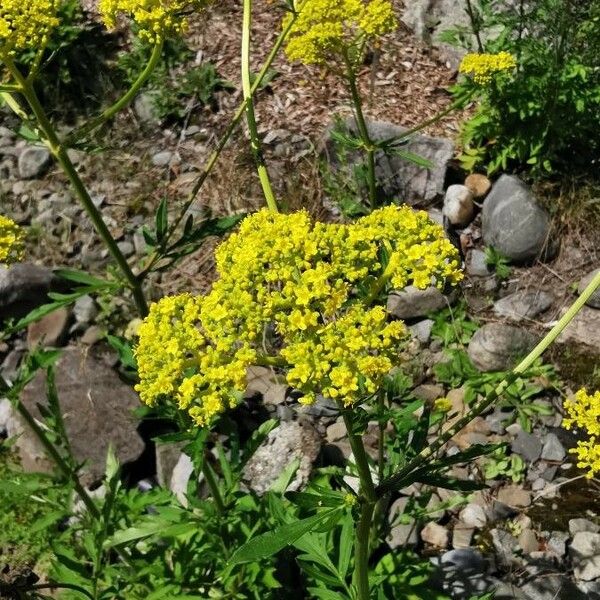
column 308, row 298
column 443, row 405
column 11, row 241
column 26, row 24
column 156, row 19
column 583, row 411
column 327, row 29
column 482, row 67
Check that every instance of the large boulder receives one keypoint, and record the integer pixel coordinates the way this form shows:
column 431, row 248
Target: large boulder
column 97, row 409
column 496, row 346
column 515, row 224
column 397, row 177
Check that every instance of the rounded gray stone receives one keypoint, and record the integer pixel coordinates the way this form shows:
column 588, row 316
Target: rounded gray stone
column 33, row 162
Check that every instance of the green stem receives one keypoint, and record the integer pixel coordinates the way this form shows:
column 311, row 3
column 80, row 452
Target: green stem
column 211, row 480
column 392, row 483
column 239, row 113
column 364, row 134
column 125, row 100
column 367, row 489
column 454, row 106
column 261, row 167
column 59, row 151
column 361, row 550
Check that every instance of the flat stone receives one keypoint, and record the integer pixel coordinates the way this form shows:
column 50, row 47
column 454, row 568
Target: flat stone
column 428, row 392
column 583, row 329
column 402, row 535
column 505, row 545
column 464, row 559
column 435, row 535
column 33, row 162
column 97, row 410
column 528, row 541
column 458, row 205
column 557, row 543
column 50, row 330
column 523, row 304
column 552, row 586
column 85, row 309
column 585, row 553
column 479, row 185
column 462, row 537
column 583, row 525
column 336, row 432
column 473, row 515
column 553, row 450
column 515, row 496
column 527, row 445
column 412, row 302
column 594, row 299
column 497, row 346
column 162, row 159
column 514, row 223
column 288, row 442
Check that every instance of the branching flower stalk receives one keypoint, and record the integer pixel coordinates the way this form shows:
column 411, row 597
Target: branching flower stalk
column 255, row 145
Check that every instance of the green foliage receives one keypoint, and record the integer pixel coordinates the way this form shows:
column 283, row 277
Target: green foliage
column 172, row 94
column 499, row 263
column 502, row 464
column 545, row 117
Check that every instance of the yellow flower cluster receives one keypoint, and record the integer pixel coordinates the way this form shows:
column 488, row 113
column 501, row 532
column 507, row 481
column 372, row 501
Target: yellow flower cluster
column 482, row 67
column 26, row 24
column 583, row 411
column 304, row 297
column 11, row 241
column 326, row 29
column 156, row 19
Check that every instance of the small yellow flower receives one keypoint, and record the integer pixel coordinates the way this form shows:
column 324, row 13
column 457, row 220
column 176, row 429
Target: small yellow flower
column 483, row 66
column 583, row 411
column 26, row 24
column 12, row 240
column 442, row 405
column 156, row 19
column 326, row 30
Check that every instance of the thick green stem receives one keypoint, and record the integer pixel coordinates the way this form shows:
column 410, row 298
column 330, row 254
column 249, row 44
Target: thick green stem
column 59, row 151
column 426, row 454
column 261, row 167
column 361, row 550
column 364, row 135
column 125, row 100
column 211, row 480
column 367, row 489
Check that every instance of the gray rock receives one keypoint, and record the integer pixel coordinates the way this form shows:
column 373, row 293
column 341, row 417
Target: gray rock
column 85, row 309
column 496, row 346
column 127, row 248
column 476, row 264
column 286, row 443
column 553, row 450
column 583, row 525
column 473, row 515
column 162, row 159
column 552, row 586
column 7, row 415
column 557, row 543
column 514, row 495
column 594, row 300
column 583, row 329
column 527, row 445
column 505, row 545
column 322, row 407
column 33, row 162
column 145, row 107
column 412, row 302
column 435, row 535
column 585, row 553
column 422, row 330
column 336, row 432
column 23, row 287
column 464, row 559
column 97, row 409
column 428, row 392
column 514, row 224
column 180, row 477
column 458, row 205
column 523, row 305
column 398, row 177
column 167, row 457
